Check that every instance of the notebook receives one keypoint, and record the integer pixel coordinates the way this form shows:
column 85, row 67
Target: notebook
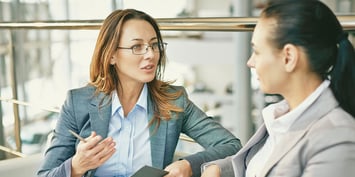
column 148, row 171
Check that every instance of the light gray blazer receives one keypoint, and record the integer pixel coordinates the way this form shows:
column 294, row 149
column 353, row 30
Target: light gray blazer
column 321, row 143
column 81, row 113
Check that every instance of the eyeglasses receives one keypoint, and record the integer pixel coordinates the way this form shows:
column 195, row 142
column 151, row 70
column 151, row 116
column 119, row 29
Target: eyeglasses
column 140, row 49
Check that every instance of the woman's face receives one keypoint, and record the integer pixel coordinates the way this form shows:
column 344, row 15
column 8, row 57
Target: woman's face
column 266, row 59
column 131, row 67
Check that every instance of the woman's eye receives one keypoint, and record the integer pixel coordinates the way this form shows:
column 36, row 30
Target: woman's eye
column 155, row 45
column 137, row 47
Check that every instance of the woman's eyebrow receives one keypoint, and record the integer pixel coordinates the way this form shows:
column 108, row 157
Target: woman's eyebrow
column 138, row 39
column 153, row 38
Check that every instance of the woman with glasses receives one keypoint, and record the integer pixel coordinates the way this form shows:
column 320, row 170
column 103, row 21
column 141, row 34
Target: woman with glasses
column 127, row 114
column 302, row 53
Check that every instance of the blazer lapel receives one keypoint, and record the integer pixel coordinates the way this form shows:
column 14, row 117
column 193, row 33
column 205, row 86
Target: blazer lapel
column 300, row 127
column 100, row 114
column 239, row 160
column 157, row 138
column 288, row 142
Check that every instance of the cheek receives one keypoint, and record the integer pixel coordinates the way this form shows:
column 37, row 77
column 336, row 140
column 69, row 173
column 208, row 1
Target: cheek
column 127, row 65
column 127, row 59
column 262, row 65
column 271, row 77
column 265, row 71
column 156, row 57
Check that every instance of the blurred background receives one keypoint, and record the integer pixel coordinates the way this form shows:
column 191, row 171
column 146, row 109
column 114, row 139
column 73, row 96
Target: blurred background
column 38, row 66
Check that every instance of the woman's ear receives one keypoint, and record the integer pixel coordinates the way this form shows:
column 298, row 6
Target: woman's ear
column 291, row 58
column 113, row 60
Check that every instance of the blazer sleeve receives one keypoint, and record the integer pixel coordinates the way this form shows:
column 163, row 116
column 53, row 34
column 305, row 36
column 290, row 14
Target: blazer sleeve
column 57, row 161
column 217, row 141
column 225, row 165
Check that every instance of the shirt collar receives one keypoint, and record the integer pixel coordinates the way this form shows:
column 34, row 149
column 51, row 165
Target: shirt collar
column 285, row 118
column 142, row 100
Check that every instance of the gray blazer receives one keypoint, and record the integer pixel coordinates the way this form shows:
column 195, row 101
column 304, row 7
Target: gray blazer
column 321, row 143
column 82, row 114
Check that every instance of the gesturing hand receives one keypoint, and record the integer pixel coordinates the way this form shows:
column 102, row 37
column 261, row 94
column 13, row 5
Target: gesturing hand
column 179, row 168
column 211, row 171
column 91, row 154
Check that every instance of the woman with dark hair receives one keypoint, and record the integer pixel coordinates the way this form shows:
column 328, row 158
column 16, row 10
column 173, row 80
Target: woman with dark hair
column 302, row 53
column 127, row 114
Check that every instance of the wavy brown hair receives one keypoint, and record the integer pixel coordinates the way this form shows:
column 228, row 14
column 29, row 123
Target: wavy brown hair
column 104, row 76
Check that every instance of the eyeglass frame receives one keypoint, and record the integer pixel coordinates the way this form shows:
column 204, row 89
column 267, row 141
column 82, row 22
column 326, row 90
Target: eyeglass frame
column 162, row 46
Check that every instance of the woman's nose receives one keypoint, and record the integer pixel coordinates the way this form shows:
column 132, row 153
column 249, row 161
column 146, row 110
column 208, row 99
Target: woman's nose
column 150, row 53
column 250, row 62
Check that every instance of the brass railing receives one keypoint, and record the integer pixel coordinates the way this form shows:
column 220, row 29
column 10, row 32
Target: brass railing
column 168, row 24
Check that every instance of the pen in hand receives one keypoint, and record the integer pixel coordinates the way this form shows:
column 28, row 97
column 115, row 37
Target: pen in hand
column 78, row 136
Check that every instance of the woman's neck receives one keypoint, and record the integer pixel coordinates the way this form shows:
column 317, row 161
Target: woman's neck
column 128, row 95
column 298, row 91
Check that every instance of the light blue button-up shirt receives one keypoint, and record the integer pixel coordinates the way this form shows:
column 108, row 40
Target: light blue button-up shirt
column 131, row 135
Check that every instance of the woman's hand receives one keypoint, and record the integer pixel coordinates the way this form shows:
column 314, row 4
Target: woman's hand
column 211, row 171
column 91, row 154
column 179, row 168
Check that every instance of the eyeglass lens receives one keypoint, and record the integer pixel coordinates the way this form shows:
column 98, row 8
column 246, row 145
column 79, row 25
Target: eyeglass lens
column 143, row 48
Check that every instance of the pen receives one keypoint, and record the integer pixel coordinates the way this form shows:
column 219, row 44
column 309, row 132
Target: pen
column 78, row 136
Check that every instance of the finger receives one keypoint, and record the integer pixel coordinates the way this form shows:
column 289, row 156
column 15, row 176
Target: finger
column 92, row 140
column 92, row 135
column 106, row 155
column 102, row 147
column 171, row 173
column 103, row 155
